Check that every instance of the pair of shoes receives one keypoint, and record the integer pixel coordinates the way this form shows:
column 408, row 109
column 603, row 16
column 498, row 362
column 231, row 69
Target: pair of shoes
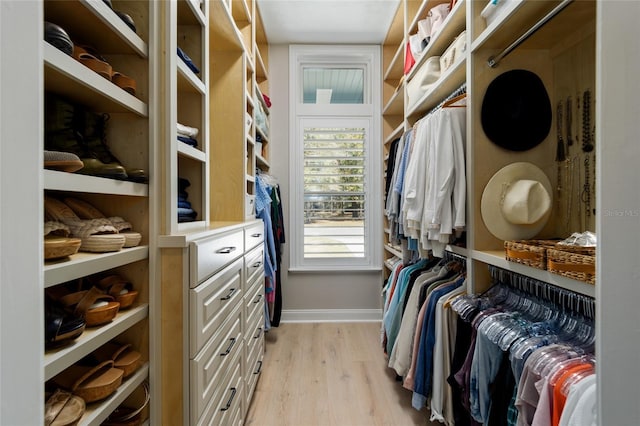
column 58, row 37
column 91, row 59
column 62, row 161
column 123, row 355
column 96, row 307
column 86, row 211
column 125, row 18
column 70, row 128
column 63, row 408
column 90, row 382
column 96, row 235
column 60, row 326
column 132, row 411
column 115, row 286
column 57, row 243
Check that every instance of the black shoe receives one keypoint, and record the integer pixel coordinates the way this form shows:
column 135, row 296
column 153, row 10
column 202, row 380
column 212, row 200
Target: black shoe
column 57, row 37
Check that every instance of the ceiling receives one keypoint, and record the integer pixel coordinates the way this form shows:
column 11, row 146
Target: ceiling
column 327, row 21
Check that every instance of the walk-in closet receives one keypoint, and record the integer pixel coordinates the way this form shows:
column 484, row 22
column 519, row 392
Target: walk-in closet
column 301, row 212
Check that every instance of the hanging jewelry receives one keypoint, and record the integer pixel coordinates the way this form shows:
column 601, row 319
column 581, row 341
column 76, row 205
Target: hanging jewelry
column 587, row 147
column 569, row 122
column 560, row 152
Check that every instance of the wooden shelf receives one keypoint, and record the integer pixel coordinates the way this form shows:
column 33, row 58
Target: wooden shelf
column 64, row 75
column 262, row 162
column 261, row 70
column 396, row 251
column 63, row 181
column 395, row 133
column 82, row 264
column 421, row 12
column 265, row 139
column 94, row 22
column 223, row 32
column 395, row 106
column 396, row 66
column 497, row 258
column 91, row 339
column 240, row 11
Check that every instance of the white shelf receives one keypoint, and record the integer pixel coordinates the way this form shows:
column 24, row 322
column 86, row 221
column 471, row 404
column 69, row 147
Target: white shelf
column 63, row 181
column 265, row 139
column 98, row 413
column 452, row 26
column 250, row 140
column 91, row 339
column 188, row 151
column 396, row 251
column 448, row 82
column 497, row 258
column 187, row 79
column 95, row 21
column 461, row 251
column 510, row 8
column 261, row 161
column 202, row 230
column 394, row 134
column 82, row 264
column 250, row 100
column 189, row 13
column 65, row 75
column 250, row 178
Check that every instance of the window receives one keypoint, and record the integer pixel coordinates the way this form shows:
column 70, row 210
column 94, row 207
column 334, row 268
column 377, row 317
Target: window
column 335, row 158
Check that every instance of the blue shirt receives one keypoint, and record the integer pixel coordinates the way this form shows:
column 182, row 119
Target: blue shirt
column 263, row 211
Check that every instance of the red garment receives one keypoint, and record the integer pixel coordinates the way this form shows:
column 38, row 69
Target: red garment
column 409, row 60
column 559, row 399
column 266, row 100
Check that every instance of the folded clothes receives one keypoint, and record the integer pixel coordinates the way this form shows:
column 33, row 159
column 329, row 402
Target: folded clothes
column 183, row 184
column 188, row 140
column 184, row 204
column 183, row 130
column 187, row 61
column 182, row 219
column 182, row 196
column 186, row 212
column 258, row 137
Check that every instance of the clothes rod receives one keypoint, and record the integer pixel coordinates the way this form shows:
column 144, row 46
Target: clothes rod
column 493, row 61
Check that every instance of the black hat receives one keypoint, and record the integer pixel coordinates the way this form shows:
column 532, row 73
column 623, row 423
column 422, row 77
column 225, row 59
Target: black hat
column 516, row 111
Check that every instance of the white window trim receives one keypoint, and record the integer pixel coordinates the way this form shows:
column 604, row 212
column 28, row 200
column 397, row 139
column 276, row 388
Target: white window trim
column 336, row 55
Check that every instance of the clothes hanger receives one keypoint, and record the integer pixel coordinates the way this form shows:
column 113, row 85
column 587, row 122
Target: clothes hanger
column 451, row 103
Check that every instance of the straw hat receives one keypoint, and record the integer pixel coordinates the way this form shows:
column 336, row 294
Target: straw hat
column 516, row 202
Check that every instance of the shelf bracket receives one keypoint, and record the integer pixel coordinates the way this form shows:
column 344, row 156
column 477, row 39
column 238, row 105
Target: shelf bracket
column 493, row 61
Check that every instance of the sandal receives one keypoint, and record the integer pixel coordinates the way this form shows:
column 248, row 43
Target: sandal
column 62, row 161
column 132, row 411
column 117, row 287
column 57, row 243
column 97, row 235
column 123, row 356
column 95, row 307
column 85, row 210
column 124, row 82
column 60, row 326
column 88, row 57
column 91, row 383
column 63, row 409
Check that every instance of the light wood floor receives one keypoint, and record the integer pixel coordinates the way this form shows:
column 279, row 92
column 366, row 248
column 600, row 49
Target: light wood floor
column 329, row 374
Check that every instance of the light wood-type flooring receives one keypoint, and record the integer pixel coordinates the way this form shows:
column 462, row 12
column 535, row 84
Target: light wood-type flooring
column 329, row 374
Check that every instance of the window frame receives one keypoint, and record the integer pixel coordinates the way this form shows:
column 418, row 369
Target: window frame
column 336, row 56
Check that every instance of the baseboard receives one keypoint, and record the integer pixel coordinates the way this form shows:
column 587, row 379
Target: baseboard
column 331, row 315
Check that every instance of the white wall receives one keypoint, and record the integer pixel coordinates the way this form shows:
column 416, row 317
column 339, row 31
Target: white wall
column 312, row 296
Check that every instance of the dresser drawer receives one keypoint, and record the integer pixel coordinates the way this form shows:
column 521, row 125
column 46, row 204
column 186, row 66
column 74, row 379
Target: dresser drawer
column 253, row 235
column 209, row 255
column 211, row 303
column 254, row 267
column 212, row 364
column 253, row 298
column 228, row 398
column 254, row 324
column 253, row 369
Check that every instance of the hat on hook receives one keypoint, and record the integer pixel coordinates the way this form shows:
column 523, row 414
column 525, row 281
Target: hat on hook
column 516, row 110
column 516, row 202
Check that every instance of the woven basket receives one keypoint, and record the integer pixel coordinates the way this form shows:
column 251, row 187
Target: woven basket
column 578, row 263
column 529, row 252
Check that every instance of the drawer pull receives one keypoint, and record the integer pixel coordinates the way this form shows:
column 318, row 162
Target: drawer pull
column 258, row 235
column 233, row 342
column 258, row 299
column 257, row 264
column 233, row 395
column 258, row 334
column 259, row 368
column 226, row 250
column 229, row 295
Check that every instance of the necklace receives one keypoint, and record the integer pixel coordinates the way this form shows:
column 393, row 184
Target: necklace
column 569, row 121
column 560, row 153
column 587, row 147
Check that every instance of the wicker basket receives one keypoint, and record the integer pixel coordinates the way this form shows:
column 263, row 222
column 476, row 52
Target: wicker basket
column 529, row 252
column 578, row 263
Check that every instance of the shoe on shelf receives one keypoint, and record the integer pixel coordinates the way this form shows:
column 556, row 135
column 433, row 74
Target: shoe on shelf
column 56, row 36
column 94, row 136
column 63, row 133
column 60, row 325
column 57, row 244
column 91, row 383
column 62, row 161
column 125, row 18
column 63, row 409
column 85, row 210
